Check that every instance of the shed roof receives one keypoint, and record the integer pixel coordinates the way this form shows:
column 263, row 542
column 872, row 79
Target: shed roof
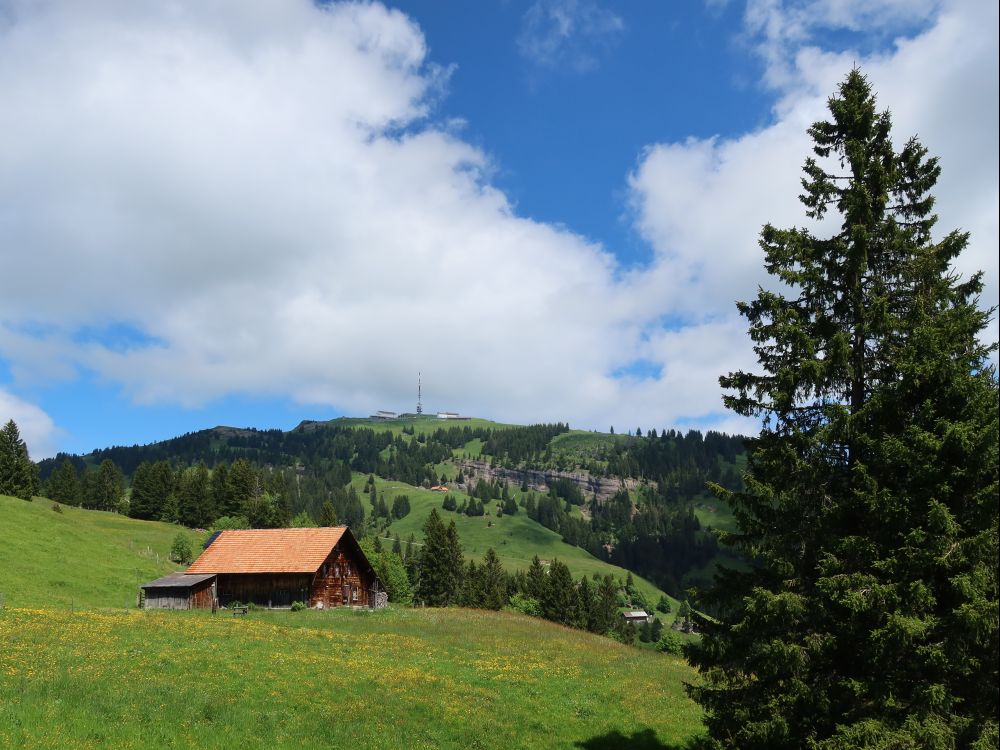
column 178, row 581
column 636, row 613
column 268, row 551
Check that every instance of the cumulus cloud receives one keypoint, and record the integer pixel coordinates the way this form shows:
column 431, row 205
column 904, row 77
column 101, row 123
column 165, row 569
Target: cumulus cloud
column 571, row 34
column 256, row 192
column 701, row 202
column 205, row 199
column 37, row 429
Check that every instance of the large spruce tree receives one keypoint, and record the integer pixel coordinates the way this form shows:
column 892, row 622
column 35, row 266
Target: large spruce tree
column 64, row 484
column 440, row 563
column 870, row 617
column 18, row 475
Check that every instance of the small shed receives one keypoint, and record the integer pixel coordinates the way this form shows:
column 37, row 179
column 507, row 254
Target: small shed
column 637, row 616
column 180, row 591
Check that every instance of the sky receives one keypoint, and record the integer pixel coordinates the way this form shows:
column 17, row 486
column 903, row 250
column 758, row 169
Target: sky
column 221, row 212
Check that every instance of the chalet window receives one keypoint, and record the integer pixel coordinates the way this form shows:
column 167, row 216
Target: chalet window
column 336, row 571
column 354, row 594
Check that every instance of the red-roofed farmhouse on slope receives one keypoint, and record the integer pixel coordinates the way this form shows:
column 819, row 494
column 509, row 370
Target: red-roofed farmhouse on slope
column 322, row 567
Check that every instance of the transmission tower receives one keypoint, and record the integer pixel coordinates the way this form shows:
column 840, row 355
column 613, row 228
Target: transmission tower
column 420, row 406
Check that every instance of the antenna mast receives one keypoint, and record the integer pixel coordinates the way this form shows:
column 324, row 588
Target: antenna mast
column 420, row 406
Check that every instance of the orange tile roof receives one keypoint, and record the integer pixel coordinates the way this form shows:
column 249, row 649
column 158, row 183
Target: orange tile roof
column 268, row 551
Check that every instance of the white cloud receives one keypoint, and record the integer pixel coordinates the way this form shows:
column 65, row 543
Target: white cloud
column 266, row 202
column 570, row 34
column 701, row 202
column 37, row 429
column 258, row 191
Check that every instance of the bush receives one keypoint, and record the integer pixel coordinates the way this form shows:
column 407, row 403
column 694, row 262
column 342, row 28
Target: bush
column 526, row 605
column 57, row 507
column 624, row 632
column 303, row 521
column 224, row 523
column 298, row 606
column 670, row 643
column 180, row 550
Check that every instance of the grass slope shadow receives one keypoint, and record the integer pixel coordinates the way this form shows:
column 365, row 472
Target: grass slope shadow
column 643, row 739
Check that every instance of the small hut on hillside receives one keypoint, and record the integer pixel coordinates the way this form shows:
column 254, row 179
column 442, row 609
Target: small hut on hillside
column 322, row 567
column 180, row 591
column 637, row 616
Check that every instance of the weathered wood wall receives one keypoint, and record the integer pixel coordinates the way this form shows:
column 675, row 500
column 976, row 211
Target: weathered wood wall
column 161, row 598
column 181, row 597
column 264, row 589
column 201, row 597
column 340, row 581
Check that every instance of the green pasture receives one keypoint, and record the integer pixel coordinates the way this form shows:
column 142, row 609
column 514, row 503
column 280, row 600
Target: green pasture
column 433, row 678
column 424, row 424
column 78, row 558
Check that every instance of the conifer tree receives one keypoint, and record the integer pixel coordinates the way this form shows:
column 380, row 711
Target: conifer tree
column 18, row 475
column 605, row 615
column 494, row 581
column 470, row 593
column 64, row 484
column 106, row 488
column 244, row 485
column 221, row 490
column 194, row 497
column 327, row 514
column 535, row 580
column 440, row 563
column 870, row 619
column 587, row 613
column 143, row 503
column 560, row 601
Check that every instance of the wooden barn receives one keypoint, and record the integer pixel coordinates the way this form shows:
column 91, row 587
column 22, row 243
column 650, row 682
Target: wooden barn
column 180, row 591
column 322, row 567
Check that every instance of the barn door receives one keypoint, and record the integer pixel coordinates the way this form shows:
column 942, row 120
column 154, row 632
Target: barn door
column 347, row 594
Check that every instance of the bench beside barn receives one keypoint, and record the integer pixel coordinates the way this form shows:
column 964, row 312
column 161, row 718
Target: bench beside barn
column 320, row 567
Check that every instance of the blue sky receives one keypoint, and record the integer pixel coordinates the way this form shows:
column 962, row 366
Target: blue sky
column 222, row 213
column 564, row 131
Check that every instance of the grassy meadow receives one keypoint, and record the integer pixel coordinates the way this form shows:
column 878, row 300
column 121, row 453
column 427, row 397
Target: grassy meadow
column 424, row 424
column 78, row 558
column 339, row 678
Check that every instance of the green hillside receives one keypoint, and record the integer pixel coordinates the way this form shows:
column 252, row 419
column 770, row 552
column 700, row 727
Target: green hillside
column 80, row 669
column 424, row 424
column 80, row 558
column 516, row 539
